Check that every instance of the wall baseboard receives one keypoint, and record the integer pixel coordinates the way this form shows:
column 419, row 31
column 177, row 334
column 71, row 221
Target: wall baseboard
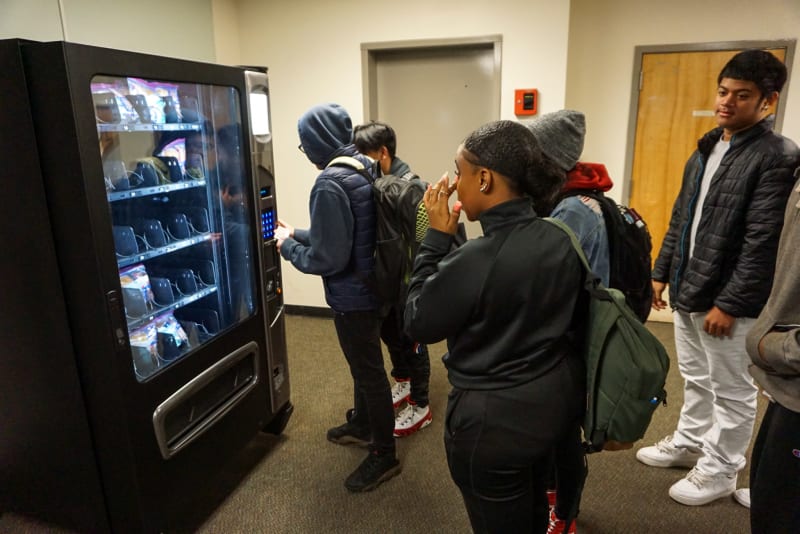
column 309, row 311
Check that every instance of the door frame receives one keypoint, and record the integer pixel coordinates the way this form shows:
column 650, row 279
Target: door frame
column 370, row 54
column 636, row 79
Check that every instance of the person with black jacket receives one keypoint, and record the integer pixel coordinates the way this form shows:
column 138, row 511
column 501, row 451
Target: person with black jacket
column 339, row 246
column 411, row 367
column 718, row 257
column 517, row 375
column 561, row 135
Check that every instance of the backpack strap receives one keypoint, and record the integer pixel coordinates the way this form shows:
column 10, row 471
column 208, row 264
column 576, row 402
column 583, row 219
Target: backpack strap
column 593, row 284
column 346, row 161
column 592, row 279
column 353, row 163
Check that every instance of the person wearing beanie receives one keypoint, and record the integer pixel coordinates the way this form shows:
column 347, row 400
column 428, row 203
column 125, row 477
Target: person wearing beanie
column 561, row 136
column 339, row 246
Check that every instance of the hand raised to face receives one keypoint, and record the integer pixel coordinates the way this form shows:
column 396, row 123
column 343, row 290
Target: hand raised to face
column 436, row 201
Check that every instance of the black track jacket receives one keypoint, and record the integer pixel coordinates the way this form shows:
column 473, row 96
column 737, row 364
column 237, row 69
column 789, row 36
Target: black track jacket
column 504, row 301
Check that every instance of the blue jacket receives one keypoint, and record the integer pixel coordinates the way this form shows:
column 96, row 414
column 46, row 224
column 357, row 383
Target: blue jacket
column 585, row 219
column 340, row 242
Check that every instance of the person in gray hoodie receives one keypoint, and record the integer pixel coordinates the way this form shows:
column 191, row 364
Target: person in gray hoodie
column 339, row 245
column 773, row 345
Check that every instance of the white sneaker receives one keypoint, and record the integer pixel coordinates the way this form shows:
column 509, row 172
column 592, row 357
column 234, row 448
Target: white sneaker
column 742, row 496
column 698, row 488
column 665, row 454
column 410, row 419
column 401, row 390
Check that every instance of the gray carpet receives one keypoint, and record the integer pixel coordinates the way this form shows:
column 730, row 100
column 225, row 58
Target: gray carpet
column 294, row 483
column 297, row 486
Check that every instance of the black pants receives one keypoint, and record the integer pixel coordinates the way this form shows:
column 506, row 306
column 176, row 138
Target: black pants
column 499, row 445
column 359, row 337
column 775, row 473
column 409, row 360
column 569, row 471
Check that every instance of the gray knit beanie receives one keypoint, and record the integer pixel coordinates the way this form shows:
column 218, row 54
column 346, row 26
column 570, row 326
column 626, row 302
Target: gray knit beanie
column 560, row 136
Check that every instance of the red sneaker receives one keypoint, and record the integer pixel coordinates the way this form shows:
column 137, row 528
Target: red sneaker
column 401, row 390
column 559, row 526
column 551, row 498
column 410, row 419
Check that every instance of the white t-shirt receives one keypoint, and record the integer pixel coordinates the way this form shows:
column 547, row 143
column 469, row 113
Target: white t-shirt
column 712, row 165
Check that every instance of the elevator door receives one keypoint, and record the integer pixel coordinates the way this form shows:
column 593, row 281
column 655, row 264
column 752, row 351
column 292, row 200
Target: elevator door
column 434, row 97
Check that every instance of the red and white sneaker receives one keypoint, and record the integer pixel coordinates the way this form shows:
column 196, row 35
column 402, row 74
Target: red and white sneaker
column 410, row 419
column 551, row 498
column 558, row 526
column 401, row 390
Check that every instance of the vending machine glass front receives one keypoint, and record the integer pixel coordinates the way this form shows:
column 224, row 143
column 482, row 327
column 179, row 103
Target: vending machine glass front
column 175, row 181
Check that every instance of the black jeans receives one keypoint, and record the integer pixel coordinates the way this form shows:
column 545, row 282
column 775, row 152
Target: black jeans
column 569, row 471
column 409, row 360
column 499, row 447
column 775, row 473
column 359, row 337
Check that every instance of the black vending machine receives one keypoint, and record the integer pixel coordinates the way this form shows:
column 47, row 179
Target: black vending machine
column 143, row 339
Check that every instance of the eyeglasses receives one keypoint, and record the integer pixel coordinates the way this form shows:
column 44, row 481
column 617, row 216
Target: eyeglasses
column 300, row 148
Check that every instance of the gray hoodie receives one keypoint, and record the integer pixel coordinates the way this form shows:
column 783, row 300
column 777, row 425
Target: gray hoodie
column 776, row 367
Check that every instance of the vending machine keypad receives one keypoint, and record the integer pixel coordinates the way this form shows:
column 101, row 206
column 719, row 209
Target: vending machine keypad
column 268, row 224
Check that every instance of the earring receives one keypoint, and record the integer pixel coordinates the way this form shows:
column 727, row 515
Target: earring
column 483, row 188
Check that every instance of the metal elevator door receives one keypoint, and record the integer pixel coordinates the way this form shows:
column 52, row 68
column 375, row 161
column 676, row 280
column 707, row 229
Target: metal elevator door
column 434, row 97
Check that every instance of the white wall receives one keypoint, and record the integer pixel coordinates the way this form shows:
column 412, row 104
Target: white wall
column 178, row 28
column 312, row 50
column 579, row 57
column 601, row 55
column 38, row 20
column 226, row 32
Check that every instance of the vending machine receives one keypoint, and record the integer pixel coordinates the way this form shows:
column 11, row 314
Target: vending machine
column 142, row 325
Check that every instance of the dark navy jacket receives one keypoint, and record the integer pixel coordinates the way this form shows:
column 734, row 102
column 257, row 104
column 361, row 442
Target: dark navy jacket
column 340, row 242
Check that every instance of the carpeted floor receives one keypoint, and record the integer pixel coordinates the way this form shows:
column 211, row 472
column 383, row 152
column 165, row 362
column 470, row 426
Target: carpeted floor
column 297, row 486
column 294, row 483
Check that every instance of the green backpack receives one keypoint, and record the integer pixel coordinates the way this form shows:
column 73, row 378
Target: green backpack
column 626, row 367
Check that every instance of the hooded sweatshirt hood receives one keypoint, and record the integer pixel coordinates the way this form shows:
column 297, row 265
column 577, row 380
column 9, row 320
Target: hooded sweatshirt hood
column 588, row 176
column 324, row 130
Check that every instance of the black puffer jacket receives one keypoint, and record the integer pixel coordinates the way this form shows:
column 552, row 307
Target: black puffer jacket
column 734, row 253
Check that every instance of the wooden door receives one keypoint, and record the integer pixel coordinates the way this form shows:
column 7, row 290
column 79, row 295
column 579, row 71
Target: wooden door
column 675, row 108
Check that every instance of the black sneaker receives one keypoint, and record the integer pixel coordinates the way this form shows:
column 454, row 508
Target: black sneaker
column 349, row 434
column 375, row 468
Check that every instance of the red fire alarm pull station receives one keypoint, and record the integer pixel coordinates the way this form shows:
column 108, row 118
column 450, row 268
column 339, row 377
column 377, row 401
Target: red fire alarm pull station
column 525, row 101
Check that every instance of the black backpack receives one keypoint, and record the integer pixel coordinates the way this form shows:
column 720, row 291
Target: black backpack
column 398, row 199
column 630, row 247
